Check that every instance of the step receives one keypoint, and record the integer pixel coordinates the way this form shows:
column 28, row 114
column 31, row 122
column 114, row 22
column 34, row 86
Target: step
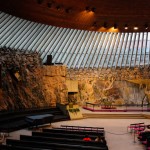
column 114, row 116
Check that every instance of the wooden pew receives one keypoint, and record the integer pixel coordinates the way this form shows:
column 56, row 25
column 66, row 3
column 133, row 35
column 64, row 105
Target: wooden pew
column 61, row 140
column 58, row 135
column 82, row 128
column 61, row 131
column 56, row 146
column 10, row 147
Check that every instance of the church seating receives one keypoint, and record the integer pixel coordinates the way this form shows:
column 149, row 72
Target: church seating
column 57, row 139
column 10, row 147
column 61, row 140
column 73, row 132
column 84, row 128
column 70, row 136
column 56, row 146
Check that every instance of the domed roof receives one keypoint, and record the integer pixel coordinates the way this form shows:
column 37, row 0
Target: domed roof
column 94, row 15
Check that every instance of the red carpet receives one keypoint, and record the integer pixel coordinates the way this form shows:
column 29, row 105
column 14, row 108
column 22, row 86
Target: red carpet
column 136, row 109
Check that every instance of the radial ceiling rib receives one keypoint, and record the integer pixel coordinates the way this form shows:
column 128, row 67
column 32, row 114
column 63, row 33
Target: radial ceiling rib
column 75, row 48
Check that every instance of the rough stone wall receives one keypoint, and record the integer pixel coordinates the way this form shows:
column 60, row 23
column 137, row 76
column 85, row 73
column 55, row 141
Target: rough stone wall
column 21, row 80
column 26, row 83
column 95, row 85
column 54, row 84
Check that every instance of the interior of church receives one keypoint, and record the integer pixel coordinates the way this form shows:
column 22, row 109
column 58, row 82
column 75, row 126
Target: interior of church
column 70, row 69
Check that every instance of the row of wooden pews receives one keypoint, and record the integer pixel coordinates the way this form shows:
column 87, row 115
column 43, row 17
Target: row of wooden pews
column 63, row 138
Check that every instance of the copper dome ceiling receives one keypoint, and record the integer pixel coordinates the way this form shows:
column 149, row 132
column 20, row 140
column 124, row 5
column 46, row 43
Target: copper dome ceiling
column 84, row 14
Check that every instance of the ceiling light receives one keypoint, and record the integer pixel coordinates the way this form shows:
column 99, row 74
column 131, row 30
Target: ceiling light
column 146, row 26
column 39, row 1
column 49, row 5
column 126, row 27
column 93, row 9
column 105, row 25
column 87, row 8
column 115, row 26
column 68, row 10
column 95, row 24
column 136, row 28
column 58, row 7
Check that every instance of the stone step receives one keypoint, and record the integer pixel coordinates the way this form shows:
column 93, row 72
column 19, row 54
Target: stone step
column 114, row 116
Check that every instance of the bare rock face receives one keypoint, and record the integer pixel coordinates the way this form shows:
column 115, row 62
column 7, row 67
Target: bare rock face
column 114, row 84
column 54, row 84
column 26, row 83
column 52, row 71
column 21, row 80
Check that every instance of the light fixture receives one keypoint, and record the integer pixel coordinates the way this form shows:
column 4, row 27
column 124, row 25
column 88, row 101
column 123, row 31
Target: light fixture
column 68, row 10
column 136, row 27
column 126, row 27
column 93, row 9
column 115, row 26
column 146, row 26
column 87, row 8
column 105, row 25
column 49, row 5
column 58, row 7
column 95, row 24
column 39, row 1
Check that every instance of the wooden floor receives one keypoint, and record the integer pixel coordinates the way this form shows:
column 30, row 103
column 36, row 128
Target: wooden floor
column 117, row 136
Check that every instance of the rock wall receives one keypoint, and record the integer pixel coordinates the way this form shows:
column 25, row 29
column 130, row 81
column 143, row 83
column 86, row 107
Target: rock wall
column 21, row 80
column 26, row 83
column 111, row 84
column 54, row 84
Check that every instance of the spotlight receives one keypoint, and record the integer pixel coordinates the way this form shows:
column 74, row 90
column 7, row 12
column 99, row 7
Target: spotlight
column 105, row 25
column 39, row 1
column 146, row 26
column 87, row 8
column 94, row 24
column 49, row 5
column 68, row 10
column 136, row 27
column 58, row 7
column 93, row 9
column 126, row 27
column 115, row 26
